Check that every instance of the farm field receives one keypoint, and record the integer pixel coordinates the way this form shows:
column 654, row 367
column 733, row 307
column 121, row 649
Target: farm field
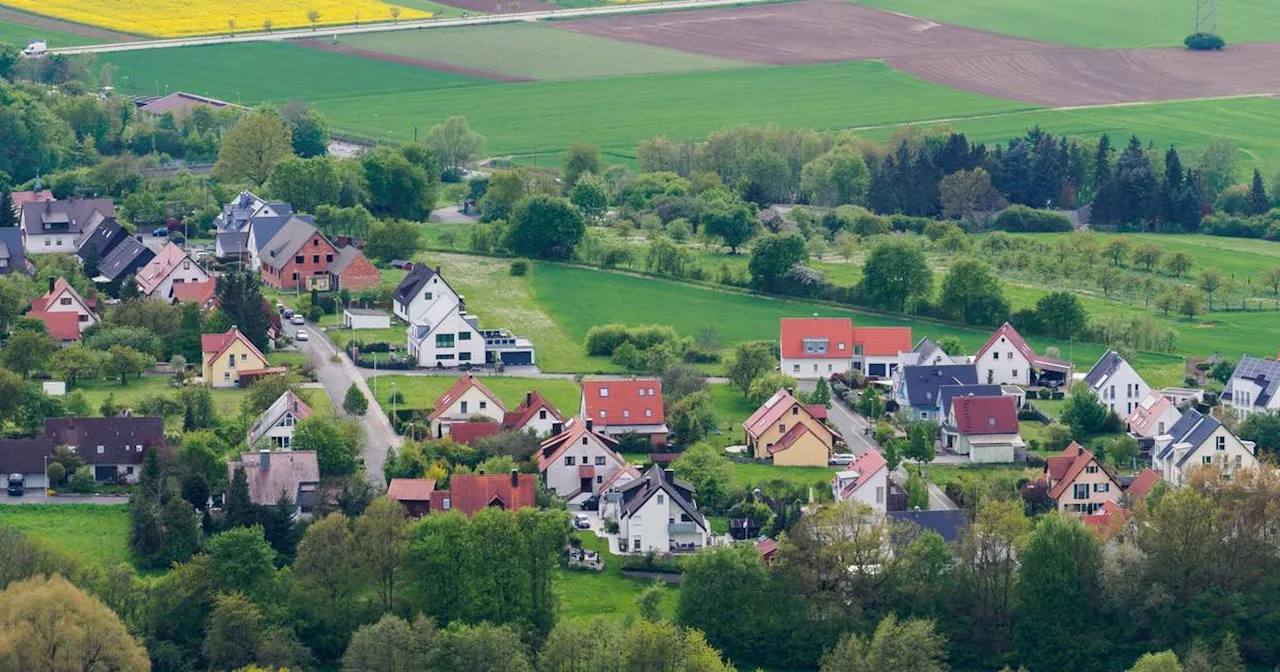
column 172, row 18
column 18, row 34
column 1097, row 23
column 96, row 391
column 88, row 532
column 533, row 51
column 422, row 391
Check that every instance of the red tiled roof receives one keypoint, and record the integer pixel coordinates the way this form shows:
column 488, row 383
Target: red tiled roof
column 59, row 286
column 627, row 402
column 766, row 546
column 62, row 326
column 1020, row 344
column 551, row 448
column 837, row 331
column 464, row 382
column 985, row 415
column 818, row 411
column 1080, row 458
column 533, row 402
column 470, row 493
column 626, row 470
column 199, row 293
column 789, row 439
column 159, row 268
column 1143, row 483
column 769, row 412
column 866, row 466
column 469, row 433
column 218, row 344
column 1100, row 519
column 1058, row 466
column 411, row 489
column 882, row 341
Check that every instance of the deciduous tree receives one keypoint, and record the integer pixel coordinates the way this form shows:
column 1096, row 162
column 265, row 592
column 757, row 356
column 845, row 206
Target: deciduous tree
column 52, row 626
column 455, row 143
column 972, row 294
column 545, row 227
column 895, row 271
column 251, row 149
column 773, row 256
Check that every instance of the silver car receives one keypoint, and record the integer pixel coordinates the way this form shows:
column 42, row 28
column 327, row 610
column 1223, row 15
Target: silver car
column 841, row 459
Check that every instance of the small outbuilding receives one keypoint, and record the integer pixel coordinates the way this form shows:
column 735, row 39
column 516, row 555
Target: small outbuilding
column 360, row 318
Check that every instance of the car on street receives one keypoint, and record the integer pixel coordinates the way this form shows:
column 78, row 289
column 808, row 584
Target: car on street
column 591, row 503
column 297, row 318
column 581, row 522
column 301, row 336
column 17, row 485
column 841, row 459
column 160, row 232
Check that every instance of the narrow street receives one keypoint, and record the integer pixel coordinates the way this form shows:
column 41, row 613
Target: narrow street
column 336, row 377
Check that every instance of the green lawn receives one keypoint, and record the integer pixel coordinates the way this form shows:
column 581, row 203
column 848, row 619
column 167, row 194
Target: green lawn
column 535, row 51
column 422, row 391
column 219, row 71
column 732, row 409
column 748, row 474
column 90, row 533
column 96, row 391
column 19, row 34
column 1098, row 23
column 394, row 334
column 942, row 474
column 609, row 594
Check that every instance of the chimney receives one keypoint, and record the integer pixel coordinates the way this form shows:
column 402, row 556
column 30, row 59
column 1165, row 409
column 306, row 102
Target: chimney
column 437, row 270
column 48, row 207
column 589, row 424
column 480, row 472
column 52, row 282
column 264, row 459
column 556, row 428
column 515, row 478
column 528, row 399
column 669, row 475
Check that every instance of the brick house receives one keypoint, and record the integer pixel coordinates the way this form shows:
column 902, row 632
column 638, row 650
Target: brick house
column 352, row 271
column 298, row 257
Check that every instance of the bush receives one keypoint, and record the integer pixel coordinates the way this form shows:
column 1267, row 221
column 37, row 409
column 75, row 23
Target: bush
column 57, row 473
column 603, row 340
column 1021, row 219
column 1204, row 42
column 1044, row 393
column 81, row 481
column 396, row 397
column 354, row 402
column 519, row 268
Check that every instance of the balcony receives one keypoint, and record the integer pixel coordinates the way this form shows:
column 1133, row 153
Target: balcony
column 683, row 528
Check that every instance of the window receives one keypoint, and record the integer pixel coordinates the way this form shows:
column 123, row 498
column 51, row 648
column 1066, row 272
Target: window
column 226, row 375
column 66, row 301
column 661, row 499
column 464, row 335
column 464, row 407
column 648, row 413
column 1081, row 491
column 101, row 449
column 857, row 350
column 231, row 360
column 84, row 318
column 635, row 543
column 1160, row 428
column 570, row 460
column 1015, row 373
column 584, row 440
column 599, row 480
column 795, row 410
column 47, row 242
column 315, row 258
column 599, row 460
column 484, row 405
column 1219, row 443
column 602, row 414
column 782, row 427
column 1238, row 462
column 640, row 391
column 651, row 392
column 604, row 392
column 880, row 495
column 299, row 259
column 626, row 413
column 426, row 295
column 315, row 242
column 995, row 355
column 446, row 504
column 1102, row 487
column 1206, row 460
column 1111, row 392
column 328, row 257
column 828, row 367
column 839, row 346
column 1091, row 469
column 444, row 356
column 444, row 340
column 128, row 470
column 186, row 265
column 795, row 368
column 295, row 276
column 542, row 415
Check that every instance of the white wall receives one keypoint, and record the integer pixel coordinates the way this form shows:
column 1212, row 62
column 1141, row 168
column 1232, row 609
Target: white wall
column 1004, row 364
column 564, row 479
column 1123, row 391
column 367, row 321
column 85, row 317
column 52, row 243
column 874, row 493
column 187, row 271
column 812, row 368
column 541, row 426
column 463, row 351
column 1225, row 459
column 469, row 403
column 650, row 524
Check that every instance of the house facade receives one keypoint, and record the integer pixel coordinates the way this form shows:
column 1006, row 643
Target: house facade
column 578, row 460
column 1117, row 384
column 112, row 447
column 352, row 271
column 917, row 389
column 294, row 473
column 865, row 481
column 1253, row 386
column 274, row 428
column 56, row 227
column 788, row 433
column 1007, row 359
column 1200, row 441
column 63, row 298
column 1156, row 414
column 228, row 356
column 28, row 457
column 534, row 414
column 173, row 266
column 1078, row 483
column 297, row 257
column 984, row 428
column 618, row 407
column 657, row 512
column 819, row 347
column 466, row 398
column 13, row 254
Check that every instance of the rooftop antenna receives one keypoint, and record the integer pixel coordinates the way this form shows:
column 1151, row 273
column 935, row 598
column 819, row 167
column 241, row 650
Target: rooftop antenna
column 1206, row 17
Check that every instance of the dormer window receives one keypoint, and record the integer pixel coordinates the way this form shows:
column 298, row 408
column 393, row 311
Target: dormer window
column 651, row 392
column 602, row 414
column 604, row 392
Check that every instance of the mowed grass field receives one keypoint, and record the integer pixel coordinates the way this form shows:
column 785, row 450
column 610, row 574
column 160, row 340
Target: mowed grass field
column 534, row 51
column 88, row 532
column 1098, row 23
column 422, row 391
column 19, row 35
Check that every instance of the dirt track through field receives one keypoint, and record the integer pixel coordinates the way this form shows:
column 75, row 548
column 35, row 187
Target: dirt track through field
column 818, row 31
column 502, row 6
column 405, row 60
column 38, row 22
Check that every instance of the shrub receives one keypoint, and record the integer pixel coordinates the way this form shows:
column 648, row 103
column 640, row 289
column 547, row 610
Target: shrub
column 396, row 397
column 519, row 267
column 57, row 473
column 1044, row 393
column 81, row 481
column 1204, row 42
column 1021, row 219
column 354, row 402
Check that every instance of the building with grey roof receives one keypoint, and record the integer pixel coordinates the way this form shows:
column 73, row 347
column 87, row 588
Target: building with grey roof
column 1197, row 441
column 1253, row 386
column 13, row 255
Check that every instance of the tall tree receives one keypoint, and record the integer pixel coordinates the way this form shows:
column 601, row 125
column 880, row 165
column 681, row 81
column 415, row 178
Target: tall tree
column 455, row 143
column 187, row 341
column 772, row 256
column 399, row 187
column 1058, row 596
column 252, row 148
column 381, row 540
column 308, row 129
column 307, row 183
column 239, row 510
column 1259, row 203
column 393, row 239
column 1136, row 187
column 971, row 293
column 733, row 222
column 749, row 361
column 579, row 159
column 545, row 227
column 895, row 271
column 240, row 298
column 28, row 351
column 896, row 645
column 51, row 625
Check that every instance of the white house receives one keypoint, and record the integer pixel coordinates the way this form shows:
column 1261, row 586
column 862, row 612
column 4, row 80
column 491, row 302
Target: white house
column 1195, row 441
column 927, row 353
column 866, row 481
column 657, row 513
column 442, row 334
column 1117, row 385
column 1253, row 385
column 63, row 298
column 534, row 414
column 56, row 227
column 818, row 347
column 1156, row 414
column 277, row 422
column 579, row 460
column 984, row 428
column 446, row 337
column 1006, row 359
column 173, row 266
column 468, row 397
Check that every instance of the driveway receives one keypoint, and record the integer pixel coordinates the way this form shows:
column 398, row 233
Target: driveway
column 38, row 496
column 336, row 377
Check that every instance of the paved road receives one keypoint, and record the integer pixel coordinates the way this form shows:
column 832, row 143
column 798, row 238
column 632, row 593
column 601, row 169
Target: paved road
column 531, row 372
column 304, row 33
column 336, row 377
column 38, row 496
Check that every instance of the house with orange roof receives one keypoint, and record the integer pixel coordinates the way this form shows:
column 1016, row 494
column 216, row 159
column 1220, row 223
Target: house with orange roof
column 1107, row 520
column 414, row 493
column 63, row 298
column 63, row 327
column 1007, row 359
column 227, row 357
column 203, row 293
column 465, row 399
column 866, row 480
column 171, row 267
column 789, row 433
column 618, row 407
column 818, row 347
column 472, row 493
column 1142, row 485
column 579, row 459
column 1078, row 483
column 534, row 413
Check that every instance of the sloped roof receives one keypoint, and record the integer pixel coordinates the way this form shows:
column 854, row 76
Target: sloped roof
column 533, row 402
column 770, row 412
column 552, row 447
column 412, row 282
column 104, row 237
column 469, row 433
column 1143, row 483
column 233, row 242
column 623, row 402
column 218, row 343
column 344, row 258
column 950, row 524
column 882, row 341
column 1265, row 373
column 838, row 331
column 411, row 489
column 199, row 293
column 1080, row 458
column 464, row 382
column 287, row 470
column 59, row 286
column 1192, row 429
column 24, row 456
column 790, row 438
column 265, row 229
column 287, row 241
column 985, row 415
column 1148, row 411
column 120, row 437
column 656, row 479
column 948, row 392
column 73, row 215
column 1105, row 367
column 1015, row 339
column 923, row 382
column 154, row 273
column 862, row 470
column 11, row 248
column 62, row 325
column 469, row 493
column 126, row 257
column 282, row 406
column 180, row 103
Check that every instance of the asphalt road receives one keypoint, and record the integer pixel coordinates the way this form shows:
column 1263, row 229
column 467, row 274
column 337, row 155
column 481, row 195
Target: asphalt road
column 305, row 33
column 336, row 377
column 38, row 496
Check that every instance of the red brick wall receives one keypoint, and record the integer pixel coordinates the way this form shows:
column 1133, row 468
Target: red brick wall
column 360, row 274
column 316, row 255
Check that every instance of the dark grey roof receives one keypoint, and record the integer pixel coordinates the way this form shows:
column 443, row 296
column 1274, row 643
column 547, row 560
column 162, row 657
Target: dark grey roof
column 119, row 437
column 69, row 216
column 413, row 281
column 287, row 241
column 106, row 235
column 124, row 259
column 949, row 524
column 345, row 256
column 947, row 392
column 923, row 381
column 233, row 242
column 637, row 492
column 24, row 456
column 1192, row 429
column 1264, row 372
column 266, row 228
column 11, row 249
column 1102, row 370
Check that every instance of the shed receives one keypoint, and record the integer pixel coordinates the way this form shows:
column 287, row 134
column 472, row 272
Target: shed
column 359, row 318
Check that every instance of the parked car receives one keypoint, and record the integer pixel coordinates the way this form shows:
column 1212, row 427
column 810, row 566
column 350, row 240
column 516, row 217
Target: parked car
column 286, row 312
column 842, row 459
column 35, row 48
column 301, row 336
column 160, row 232
column 591, row 503
column 580, row 521
column 297, row 318
column 17, row 485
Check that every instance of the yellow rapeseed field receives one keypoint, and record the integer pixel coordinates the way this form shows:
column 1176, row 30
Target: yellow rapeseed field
column 182, row 18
